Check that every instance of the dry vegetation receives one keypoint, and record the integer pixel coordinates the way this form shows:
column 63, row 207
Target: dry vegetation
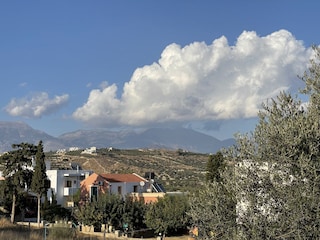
column 176, row 170
column 19, row 232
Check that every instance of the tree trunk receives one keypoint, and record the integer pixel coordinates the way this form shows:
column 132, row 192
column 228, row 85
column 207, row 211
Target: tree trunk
column 13, row 210
column 39, row 207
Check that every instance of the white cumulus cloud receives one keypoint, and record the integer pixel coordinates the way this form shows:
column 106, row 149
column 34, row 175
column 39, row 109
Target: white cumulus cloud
column 36, row 106
column 202, row 82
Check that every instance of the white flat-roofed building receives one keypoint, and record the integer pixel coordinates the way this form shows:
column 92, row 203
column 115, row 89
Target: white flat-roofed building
column 64, row 184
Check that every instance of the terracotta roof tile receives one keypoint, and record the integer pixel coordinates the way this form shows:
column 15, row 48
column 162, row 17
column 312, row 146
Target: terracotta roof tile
column 115, row 177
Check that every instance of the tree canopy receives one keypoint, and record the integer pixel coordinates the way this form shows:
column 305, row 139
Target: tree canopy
column 278, row 182
column 168, row 214
column 215, row 165
column 111, row 209
column 17, row 170
column 274, row 180
column 39, row 184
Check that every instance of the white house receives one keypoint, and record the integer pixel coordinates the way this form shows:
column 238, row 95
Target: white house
column 64, row 184
column 91, row 150
column 124, row 184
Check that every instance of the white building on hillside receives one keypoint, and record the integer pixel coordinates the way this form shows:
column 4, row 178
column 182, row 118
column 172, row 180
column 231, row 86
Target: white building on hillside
column 91, row 150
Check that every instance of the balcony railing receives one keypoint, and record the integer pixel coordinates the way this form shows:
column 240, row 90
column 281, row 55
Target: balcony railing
column 69, row 191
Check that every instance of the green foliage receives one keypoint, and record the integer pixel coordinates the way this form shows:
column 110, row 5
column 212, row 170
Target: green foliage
column 168, row 215
column 133, row 212
column 52, row 211
column 17, row 171
column 277, row 182
column 45, row 210
column 76, row 198
column 38, row 184
column 112, row 209
column 90, row 213
column 214, row 166
column 39, row 178
column 6, row 200
column 270, row 188
column 213, row 211
column 16, row 163
column 105, row 210
column 213, row 207
column 5, row 195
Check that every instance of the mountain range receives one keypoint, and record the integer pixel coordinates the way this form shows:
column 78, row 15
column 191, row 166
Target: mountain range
column 155, row 138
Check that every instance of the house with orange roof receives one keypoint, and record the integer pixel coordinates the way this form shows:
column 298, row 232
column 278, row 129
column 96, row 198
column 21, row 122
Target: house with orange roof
column 122, row 184
column 92, row 186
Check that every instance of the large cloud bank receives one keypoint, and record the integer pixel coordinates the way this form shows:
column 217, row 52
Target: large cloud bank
column 36, row 106
column 202, row 82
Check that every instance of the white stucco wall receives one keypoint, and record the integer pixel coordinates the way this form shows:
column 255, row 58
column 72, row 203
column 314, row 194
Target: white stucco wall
column 58, row 180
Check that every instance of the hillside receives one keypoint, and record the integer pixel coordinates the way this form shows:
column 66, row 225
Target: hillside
column 176, row 170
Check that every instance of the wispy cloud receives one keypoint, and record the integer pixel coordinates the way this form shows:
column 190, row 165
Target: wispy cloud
column 36, row 105
column 23, row 84
column 202, row 82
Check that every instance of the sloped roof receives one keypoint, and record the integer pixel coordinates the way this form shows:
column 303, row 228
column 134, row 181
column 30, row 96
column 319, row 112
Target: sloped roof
column 91, row 179
column 116, row 177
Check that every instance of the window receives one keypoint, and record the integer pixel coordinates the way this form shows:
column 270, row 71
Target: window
column 94, row 193
column 135, row 188
column 47, row 183
column 68, row 183
column 119, row 190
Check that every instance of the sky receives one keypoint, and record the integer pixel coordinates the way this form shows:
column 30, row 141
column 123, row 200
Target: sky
column 205, row 65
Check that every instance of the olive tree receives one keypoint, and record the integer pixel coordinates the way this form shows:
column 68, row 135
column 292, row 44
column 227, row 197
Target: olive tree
column 168, row 215
column 214, row 167
column 275, row 177
column 212, row 210
column 277, row 167
column 133, row 212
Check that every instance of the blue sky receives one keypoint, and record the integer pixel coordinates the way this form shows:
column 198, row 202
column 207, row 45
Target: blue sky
column 206, row 65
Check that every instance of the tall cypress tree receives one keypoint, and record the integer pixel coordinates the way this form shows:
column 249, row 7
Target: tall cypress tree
column 39, row 179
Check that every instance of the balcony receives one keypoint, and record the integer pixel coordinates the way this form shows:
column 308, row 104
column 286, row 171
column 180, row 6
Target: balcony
column 69, row 191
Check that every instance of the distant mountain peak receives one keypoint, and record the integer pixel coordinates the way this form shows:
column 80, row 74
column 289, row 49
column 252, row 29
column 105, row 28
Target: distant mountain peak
column 170, row 138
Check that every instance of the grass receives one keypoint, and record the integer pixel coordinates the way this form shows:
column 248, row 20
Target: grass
column 19, row 232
